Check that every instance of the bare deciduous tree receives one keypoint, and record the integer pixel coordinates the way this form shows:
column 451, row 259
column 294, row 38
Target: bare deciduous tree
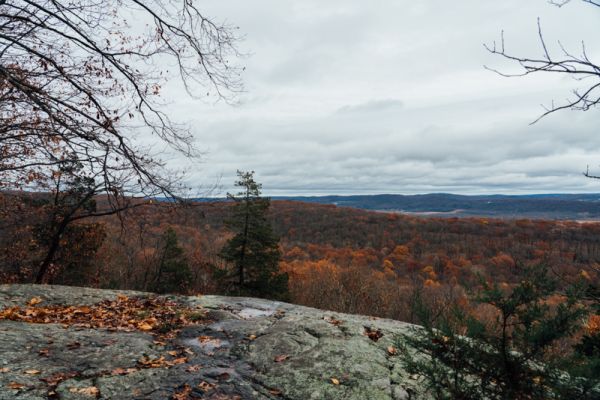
column 81, row 80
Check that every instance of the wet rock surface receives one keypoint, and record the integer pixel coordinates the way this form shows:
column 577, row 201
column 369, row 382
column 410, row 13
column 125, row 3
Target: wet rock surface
column 245, row 349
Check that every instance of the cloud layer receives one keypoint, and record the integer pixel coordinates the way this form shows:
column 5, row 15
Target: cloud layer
column 347, row 96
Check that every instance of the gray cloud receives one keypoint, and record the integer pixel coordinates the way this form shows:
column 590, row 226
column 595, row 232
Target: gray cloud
column 346, row 96
column 371, row 106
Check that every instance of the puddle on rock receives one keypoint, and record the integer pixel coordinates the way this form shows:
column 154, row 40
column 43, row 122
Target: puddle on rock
column 249, row 313
column 207, row 344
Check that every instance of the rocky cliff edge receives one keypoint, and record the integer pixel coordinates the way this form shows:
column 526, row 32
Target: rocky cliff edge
column 80, row 343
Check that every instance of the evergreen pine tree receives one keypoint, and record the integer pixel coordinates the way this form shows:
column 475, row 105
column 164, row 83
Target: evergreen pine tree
column 462, row 357
column 173, row 272
column 253, row 252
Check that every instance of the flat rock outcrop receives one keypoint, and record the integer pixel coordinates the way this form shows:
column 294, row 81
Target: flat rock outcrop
column 243, row 348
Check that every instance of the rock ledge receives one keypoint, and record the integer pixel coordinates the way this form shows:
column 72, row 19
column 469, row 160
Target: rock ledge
column 249, row 349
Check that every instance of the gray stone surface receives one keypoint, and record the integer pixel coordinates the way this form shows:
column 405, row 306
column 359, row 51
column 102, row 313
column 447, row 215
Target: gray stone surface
column 251, row 349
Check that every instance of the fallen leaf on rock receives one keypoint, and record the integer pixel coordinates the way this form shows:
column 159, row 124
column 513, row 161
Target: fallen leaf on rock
column 3, row 370
column 182, row 394
column 180, row 360
column 335, row 381
column 210, row 341
column 193, row 368
column 123, row 314
column 144, row 326
column 15, row 385
column 147, row 362
column 392, row 351
column 173, row 353
column 118, row 371
column 205, row 386
column 252, row 337
column 275, row 392
column 373, row 334
column 31, row 312
column 123, row 371
column 33, row 301
column 82, row 310
column 32, row 372
column 57, row 378
column 333, row 321
column 44, row 352
column 281, row 357
column 86, row 391
column 161, row 362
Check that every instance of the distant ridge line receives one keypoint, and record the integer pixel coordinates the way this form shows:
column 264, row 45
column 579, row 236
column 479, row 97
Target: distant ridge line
column 564, row 206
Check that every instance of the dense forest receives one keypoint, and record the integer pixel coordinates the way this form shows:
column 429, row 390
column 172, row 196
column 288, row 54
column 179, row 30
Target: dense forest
column 336, row 258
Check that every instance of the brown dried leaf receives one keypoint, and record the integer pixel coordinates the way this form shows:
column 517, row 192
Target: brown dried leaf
column 144, row 326
column 333, row 321
column 123, row 314
column 33, row 301
column 180, row 360
column 281, row 358
column 193, row 368
column 183, row 394
column 15, row 385
column 335, row 381
column 55, row 379
column 373, row 334
column 86, row 391
column 32, row 372
column 123, row 371
column 205, row 386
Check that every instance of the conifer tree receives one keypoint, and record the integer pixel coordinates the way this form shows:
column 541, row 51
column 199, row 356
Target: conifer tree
column 511, row 357
column 173, row 272
column 252, row 254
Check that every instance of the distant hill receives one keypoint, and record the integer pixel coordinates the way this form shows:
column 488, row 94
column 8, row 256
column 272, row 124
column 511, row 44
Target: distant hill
column 537, row 206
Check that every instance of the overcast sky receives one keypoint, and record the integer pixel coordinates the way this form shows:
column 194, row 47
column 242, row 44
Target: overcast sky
column 350, row 96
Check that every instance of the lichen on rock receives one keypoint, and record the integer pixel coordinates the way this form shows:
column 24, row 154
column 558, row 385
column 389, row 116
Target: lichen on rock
column 242, row 348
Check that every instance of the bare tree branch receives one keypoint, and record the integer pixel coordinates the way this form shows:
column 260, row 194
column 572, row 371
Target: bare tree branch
column 581, row 67
column 80, row 79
